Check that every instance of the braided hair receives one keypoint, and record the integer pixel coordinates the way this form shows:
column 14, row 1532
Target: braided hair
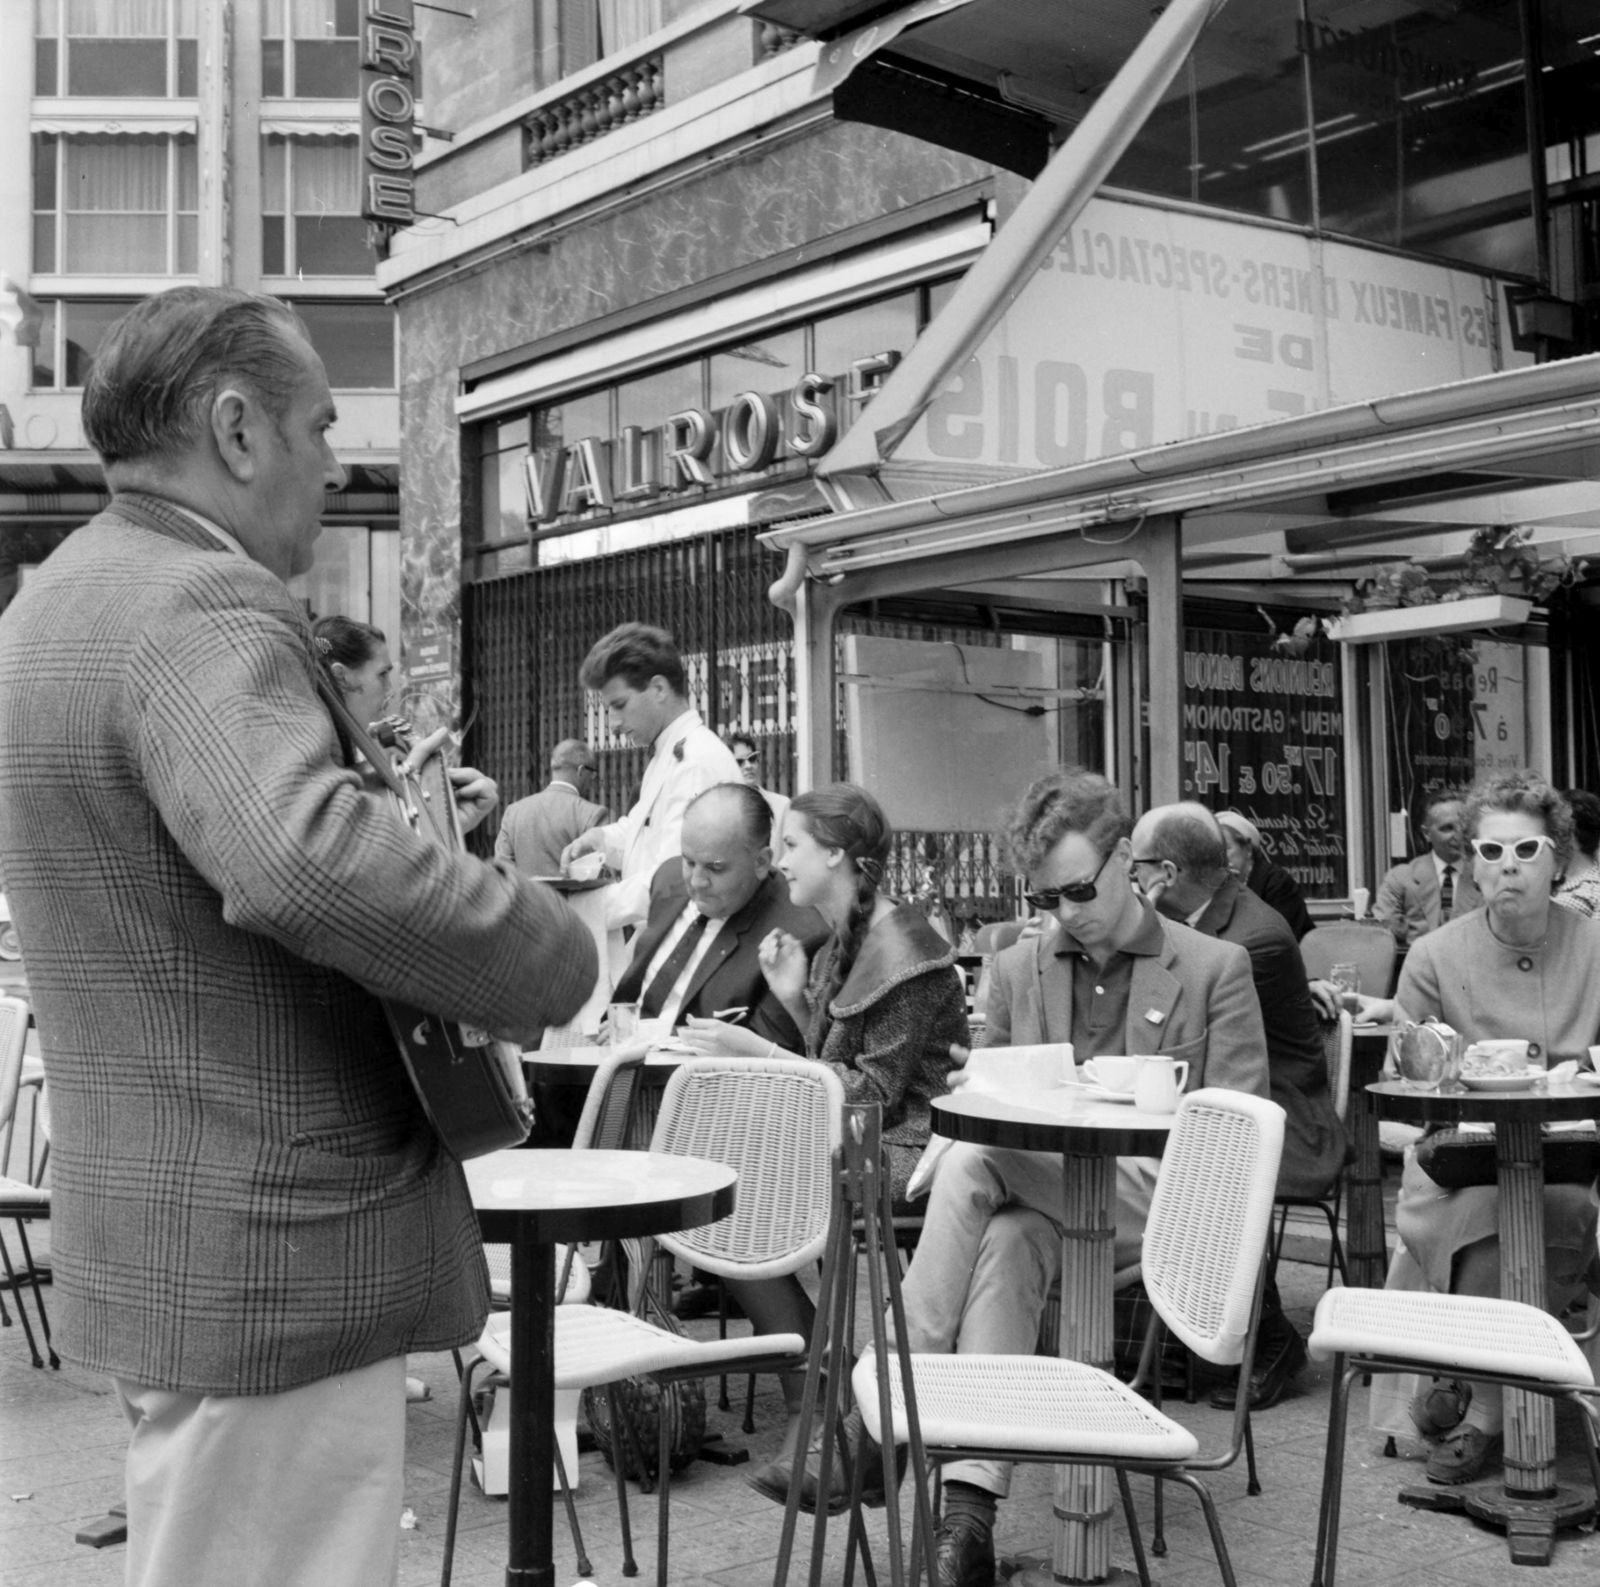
column 840, row 815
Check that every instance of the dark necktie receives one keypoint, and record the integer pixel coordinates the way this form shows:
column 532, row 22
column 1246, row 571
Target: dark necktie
column 1447, row 892
column 661, row 985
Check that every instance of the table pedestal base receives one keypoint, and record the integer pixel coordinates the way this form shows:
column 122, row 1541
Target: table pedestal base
column 1037, row 1573
column 1530, row 1525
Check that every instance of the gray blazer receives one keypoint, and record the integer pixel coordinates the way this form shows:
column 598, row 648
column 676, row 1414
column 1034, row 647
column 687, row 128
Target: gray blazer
column 535, row 830
column 247, row 1196
column 1193, row 1000
column 1408, row 897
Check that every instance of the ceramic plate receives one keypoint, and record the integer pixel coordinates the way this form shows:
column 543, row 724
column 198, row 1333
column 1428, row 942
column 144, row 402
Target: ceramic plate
column 1522, row 1082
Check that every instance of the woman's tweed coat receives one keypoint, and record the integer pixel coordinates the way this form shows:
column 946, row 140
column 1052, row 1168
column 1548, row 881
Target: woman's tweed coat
column 889, row 1029
column 246, row 1195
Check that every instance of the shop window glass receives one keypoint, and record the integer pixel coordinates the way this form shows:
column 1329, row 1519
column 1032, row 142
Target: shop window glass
column 887, row 326
column 575, row 417
column 42, row 376
column 354, row 340
column 1420, row 132
column 1231, row 130
column 655, row 397
column 769, row 365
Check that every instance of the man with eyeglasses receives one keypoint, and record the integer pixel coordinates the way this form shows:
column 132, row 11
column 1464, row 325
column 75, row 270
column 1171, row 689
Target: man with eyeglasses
column 1417, row 896
column 1180, row 862
column 1109, row 975
column 535, row 830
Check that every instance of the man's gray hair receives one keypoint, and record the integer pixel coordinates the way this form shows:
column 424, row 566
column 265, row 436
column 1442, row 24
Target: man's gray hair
column 153, row 380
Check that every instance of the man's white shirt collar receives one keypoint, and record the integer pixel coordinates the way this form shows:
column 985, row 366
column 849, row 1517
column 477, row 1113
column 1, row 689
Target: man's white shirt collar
column 214, row 529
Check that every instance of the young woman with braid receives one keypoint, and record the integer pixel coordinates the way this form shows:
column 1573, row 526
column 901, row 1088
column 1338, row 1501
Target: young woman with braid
column 881, row 1003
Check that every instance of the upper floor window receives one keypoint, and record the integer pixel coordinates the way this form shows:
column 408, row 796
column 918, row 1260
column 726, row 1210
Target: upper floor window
column 123, row 204
column 309, row 49
column 572, row 34
column 311, row 208
column 116, row 49
column 354, row 339
column 70, row 334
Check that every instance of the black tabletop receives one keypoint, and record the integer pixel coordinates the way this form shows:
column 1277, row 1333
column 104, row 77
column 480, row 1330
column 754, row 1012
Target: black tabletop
column 1396, row 1099
column 1051, row 1121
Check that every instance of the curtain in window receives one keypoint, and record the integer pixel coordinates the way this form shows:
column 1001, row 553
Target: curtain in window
column 314, row 19
column 274, row 162
column 188, row 175
column 117, row 19
column 46, row 18
column 115, row 199
column 327, row 177
column 624, row 22
column 186, row 18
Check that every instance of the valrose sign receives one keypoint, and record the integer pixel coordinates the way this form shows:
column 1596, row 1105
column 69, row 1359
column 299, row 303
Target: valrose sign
column 388, row 108
column 1145, row 325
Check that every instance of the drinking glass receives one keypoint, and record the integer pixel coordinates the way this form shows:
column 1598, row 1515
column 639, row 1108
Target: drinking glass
column 1347, row 977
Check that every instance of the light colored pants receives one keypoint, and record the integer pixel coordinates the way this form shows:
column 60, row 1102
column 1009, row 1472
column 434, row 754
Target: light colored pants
column 300, row 1489
column 990, row 1250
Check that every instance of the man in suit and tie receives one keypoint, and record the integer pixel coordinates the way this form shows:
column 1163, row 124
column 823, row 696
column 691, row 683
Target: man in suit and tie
column 253, row 1221
column 710, row 908
column 1418, row 896
column 1111, row 976
column 639, row 676
column 535, row 830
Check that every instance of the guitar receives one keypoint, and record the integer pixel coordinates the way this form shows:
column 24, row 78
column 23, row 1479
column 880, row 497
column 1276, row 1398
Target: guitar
column 470, row 1085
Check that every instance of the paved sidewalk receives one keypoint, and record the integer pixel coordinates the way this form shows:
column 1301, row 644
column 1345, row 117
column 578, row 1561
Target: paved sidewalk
column 61, row 1445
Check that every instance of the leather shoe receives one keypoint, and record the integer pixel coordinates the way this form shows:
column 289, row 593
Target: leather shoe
column 702, row 1300
column 772, row 1479
column 963, row 1553
column 1279, row 1361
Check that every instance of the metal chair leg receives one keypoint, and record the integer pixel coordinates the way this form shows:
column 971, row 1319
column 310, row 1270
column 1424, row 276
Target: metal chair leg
column 629, row 1564
column 1253, row 1483
column 22, row 1311
column 1125, row 1488
column 585, row 1569
column 454, row 1507
column 1208, row 1508
column 1325, row 1558
column 38, row 1295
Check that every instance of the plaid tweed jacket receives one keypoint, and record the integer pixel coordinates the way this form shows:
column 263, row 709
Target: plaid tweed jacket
column 246, row 1195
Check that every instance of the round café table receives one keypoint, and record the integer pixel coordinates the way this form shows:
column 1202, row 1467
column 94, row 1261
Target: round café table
column 1527, row 1501
column 532, row 1200
column 1090, row 1136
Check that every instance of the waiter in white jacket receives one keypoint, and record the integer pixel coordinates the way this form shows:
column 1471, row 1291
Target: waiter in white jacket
column 638, row 674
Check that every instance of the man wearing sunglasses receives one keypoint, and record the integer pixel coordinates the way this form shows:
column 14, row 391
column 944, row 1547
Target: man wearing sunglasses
column 1417, row 896
column 1109, row 975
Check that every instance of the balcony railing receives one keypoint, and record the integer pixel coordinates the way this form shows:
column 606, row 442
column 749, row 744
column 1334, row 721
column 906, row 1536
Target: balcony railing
column 627, row 94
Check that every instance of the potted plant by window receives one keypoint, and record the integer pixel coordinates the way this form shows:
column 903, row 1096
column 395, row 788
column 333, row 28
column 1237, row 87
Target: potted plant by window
column 1500, row 561
column 1394, row 584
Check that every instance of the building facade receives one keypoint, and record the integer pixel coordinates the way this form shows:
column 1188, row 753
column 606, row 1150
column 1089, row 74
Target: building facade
column 151, row 143
column 678, row 262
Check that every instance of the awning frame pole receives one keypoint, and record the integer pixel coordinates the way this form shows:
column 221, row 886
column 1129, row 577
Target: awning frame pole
column 1006, row 266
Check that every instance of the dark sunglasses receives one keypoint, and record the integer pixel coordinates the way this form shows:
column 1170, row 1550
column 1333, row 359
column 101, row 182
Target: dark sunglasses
column 1526, row 850
column 1049, row 898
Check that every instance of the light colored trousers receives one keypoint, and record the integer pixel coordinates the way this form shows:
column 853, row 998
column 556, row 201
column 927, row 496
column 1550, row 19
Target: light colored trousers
column 300, row 1489
column 990, row 1250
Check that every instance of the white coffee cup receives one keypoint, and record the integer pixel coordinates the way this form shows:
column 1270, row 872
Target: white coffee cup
column 1157, row 1087
column 1114, row 1072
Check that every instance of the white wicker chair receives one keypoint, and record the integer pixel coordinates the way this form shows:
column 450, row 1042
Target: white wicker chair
column 1339, row 1045
column 20, row 1202
column 1469, row 1336
column 1204, row 1244
column 776, row 1122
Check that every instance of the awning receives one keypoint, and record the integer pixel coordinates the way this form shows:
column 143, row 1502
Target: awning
column 944, row 71
column 1525, row 442
column 279, row 128
column 118, row 127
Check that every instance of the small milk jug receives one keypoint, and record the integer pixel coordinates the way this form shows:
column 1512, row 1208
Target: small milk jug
column 1159, row 1085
